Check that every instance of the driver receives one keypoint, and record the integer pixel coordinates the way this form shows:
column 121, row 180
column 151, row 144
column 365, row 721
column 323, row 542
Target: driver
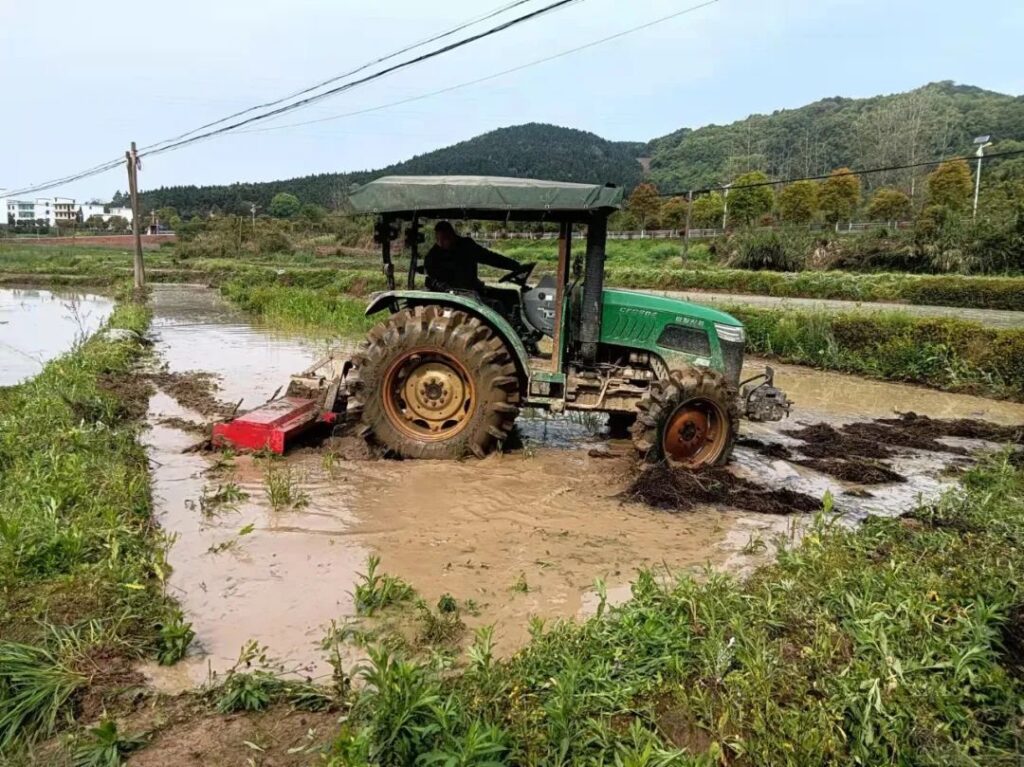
column 451, row 264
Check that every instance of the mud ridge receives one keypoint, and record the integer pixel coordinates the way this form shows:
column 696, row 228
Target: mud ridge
column 194, row 390
column 921, row 432
column 850, row 468
column 672, row 489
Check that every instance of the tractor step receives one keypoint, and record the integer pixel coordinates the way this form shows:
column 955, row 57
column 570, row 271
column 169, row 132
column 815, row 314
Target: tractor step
column 269, row 427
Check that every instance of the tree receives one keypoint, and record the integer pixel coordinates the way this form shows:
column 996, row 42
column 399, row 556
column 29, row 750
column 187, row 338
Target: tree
column 888, row 204
column 707, row 211
column 839, row 195
column 747, row 202
column 950, row 185
column 284, row 205
column 118, row 224
column 798, row 202
column 96, row 222
column 314, row 214
column 673, row 213
column 645, row 204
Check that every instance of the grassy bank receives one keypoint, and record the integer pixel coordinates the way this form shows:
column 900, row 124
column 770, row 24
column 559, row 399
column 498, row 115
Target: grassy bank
column 81, row 564
column 941, row 353
column 321, row 311
column 900, row 642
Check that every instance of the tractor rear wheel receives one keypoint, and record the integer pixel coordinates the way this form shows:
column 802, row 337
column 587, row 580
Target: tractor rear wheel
column 435, row 383
column 689, row 420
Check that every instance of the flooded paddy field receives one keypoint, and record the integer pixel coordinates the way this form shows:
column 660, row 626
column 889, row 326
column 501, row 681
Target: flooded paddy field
column 271, row 550
column 37, row 325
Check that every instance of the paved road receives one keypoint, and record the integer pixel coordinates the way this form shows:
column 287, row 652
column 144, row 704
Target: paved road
column 995, row 318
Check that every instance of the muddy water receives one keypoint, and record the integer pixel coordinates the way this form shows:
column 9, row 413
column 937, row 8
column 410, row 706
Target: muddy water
column 37, row 325
column 546, row 517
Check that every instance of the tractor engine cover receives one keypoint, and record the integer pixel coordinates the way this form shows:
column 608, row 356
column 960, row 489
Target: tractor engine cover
column 539, row 306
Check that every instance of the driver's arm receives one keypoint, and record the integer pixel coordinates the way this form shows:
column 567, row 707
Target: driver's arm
column 497, row 260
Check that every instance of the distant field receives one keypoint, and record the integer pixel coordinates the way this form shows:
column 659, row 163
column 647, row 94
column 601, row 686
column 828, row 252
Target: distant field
column 633, row 264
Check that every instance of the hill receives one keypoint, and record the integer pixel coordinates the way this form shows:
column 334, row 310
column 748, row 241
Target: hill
column 533, row 150
column 936, row 120
column 939, row 119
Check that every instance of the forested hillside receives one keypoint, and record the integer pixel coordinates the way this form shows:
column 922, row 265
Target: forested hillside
column 937, row 120
column 527, row 151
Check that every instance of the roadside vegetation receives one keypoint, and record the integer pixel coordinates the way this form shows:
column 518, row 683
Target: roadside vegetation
column 947, row 354
column 81, row 564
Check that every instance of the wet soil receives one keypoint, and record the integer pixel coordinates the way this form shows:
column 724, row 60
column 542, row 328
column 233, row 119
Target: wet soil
column 277, row 737
column 193, row 390
column 850, row 468
column 551, row 516
column 673, row 489
column 923, row 433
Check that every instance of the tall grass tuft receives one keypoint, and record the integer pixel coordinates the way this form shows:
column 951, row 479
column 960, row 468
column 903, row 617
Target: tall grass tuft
column 34, row 688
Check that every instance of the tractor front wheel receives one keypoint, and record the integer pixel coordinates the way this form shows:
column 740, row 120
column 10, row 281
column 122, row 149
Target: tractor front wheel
column 690, row 420
column 435, row 383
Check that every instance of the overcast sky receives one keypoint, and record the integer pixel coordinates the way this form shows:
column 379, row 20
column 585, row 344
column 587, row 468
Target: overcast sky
column 83, row 79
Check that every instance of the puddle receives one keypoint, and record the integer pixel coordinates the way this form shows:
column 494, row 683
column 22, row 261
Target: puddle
column 38, row 325
column 547, row 517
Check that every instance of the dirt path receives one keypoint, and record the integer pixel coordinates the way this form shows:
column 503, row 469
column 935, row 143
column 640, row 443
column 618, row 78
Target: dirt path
column 518, row 535
column 994, row 318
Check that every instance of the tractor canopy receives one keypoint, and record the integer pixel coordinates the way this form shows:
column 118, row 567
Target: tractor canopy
column 484, row 197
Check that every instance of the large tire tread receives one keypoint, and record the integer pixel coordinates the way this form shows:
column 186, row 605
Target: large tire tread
column 655, row 409
column 475, row 345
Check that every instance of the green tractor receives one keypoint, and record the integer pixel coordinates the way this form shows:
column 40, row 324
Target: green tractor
column 446, row 372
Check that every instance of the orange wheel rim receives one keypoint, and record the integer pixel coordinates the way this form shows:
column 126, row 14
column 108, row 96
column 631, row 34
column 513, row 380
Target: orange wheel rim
column 695, row 433
column 428, row 395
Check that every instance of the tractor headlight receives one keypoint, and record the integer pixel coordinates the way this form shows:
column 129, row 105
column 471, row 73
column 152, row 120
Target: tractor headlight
column 730, row 333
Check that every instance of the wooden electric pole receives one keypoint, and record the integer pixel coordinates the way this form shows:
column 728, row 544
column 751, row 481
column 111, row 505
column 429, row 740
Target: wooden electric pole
column 132, row 158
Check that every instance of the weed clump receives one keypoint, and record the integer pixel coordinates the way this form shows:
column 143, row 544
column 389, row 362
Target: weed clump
column 375, row 591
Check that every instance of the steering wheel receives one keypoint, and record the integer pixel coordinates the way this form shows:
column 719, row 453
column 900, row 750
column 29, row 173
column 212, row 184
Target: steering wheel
column 520, row 275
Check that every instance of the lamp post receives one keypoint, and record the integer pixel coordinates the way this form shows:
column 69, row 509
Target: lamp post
column 982, row 142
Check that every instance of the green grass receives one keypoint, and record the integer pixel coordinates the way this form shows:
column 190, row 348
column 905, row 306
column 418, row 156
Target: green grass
column 944, row 354
column 310, row 309
column 81, row 565
column 898, row 642
column 631, row 263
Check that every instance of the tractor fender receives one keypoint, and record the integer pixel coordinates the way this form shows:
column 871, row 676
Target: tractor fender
column 393, row 300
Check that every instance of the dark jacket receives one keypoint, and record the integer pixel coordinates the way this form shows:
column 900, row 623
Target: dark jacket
column 456, row 269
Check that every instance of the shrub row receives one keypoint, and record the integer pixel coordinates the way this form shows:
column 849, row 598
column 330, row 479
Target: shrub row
column 947, row 354
column 936, row 290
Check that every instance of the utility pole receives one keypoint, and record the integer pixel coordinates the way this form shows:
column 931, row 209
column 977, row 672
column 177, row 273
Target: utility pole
column 132, row 158
column 686, row 240
column 982, row 142
column 252, row 210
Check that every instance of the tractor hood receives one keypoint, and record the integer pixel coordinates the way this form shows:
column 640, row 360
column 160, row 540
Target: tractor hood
column 633, row 299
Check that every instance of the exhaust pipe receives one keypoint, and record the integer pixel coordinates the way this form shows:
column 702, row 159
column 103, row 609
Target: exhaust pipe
column 593, row 287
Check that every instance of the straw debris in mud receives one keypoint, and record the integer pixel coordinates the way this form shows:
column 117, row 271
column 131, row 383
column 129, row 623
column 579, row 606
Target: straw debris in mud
column 675, row 489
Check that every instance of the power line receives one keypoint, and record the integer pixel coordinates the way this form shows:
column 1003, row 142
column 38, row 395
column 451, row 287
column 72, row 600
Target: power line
column 865, row 172
column 493, row 76
column 362, row 67
column 370, row 78
column 53, row 183
column 112, row 164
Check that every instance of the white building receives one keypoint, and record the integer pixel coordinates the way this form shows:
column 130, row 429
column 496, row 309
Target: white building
column 89, row 209
column 54, row 210
column 28, row 212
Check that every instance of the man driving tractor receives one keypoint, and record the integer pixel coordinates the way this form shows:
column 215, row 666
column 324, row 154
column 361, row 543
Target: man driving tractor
column 451, row 264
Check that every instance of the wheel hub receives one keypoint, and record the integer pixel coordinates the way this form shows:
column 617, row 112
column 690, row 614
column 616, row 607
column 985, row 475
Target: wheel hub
column 695, row 433
column 428, row 395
